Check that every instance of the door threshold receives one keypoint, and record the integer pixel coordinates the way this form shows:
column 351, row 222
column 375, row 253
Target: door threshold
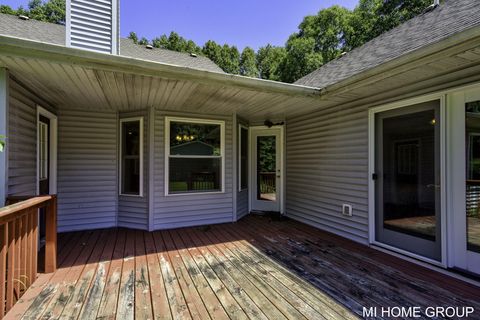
column 274, row 215
column 451, row 272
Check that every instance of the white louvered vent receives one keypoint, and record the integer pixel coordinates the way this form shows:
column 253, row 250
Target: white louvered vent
column 93, row 25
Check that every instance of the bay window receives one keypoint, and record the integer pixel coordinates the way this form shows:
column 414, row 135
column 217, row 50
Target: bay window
column 194, row 156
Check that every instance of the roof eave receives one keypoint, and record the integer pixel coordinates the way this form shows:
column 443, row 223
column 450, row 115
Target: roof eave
column 51, row 52
column 456, row 43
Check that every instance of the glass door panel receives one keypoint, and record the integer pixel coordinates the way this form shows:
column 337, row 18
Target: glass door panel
column 472, row 121
column 266, row 168
column 408, row 179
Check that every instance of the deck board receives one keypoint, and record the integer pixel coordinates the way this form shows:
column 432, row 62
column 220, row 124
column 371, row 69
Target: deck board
column 257, row 268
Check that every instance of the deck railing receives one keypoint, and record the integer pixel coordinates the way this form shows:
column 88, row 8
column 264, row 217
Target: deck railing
column 19, row 231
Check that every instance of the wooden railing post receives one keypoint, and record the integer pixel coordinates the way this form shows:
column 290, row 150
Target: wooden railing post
column 51, row 236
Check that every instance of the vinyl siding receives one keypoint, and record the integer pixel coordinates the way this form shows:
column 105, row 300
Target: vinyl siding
column 87, row 170
column 242, row 204
column 327, row 166
column 22, row 140
column 133, row 211
column 189, row 210
column 93, row 25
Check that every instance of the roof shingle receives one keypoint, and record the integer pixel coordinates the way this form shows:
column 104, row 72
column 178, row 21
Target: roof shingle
column 449, row 18
column 12, row 26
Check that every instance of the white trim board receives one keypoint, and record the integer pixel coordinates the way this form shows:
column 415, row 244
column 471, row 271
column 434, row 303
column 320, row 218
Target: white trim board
column 4, row 115
column 239, row 155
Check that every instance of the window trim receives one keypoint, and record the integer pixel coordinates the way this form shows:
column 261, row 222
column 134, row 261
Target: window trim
column 169, row 120
column 120, row 142
column 240, row 127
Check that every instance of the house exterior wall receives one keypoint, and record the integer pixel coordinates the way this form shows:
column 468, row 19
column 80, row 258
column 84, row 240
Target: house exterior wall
column 327, row 166
column 191, row 209
column 87, row 170
column 22, row 140
column 132, row 210
column 242, row 204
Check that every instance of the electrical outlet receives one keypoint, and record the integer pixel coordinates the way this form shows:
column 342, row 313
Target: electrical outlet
column 347, row 210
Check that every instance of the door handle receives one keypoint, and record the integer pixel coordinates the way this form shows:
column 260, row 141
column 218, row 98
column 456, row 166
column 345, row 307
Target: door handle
column 436, row 186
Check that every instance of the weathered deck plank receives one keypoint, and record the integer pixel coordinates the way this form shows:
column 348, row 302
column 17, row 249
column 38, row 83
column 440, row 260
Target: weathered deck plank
column 258, row 268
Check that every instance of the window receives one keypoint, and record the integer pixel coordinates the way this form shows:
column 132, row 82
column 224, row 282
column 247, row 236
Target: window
column 43, row 150
column 131, row 150
column 194, row 156
column 243, row 158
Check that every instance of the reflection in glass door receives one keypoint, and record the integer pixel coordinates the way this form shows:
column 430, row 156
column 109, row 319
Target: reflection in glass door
column 407, row 172
column 266, row 168
column 472, row 120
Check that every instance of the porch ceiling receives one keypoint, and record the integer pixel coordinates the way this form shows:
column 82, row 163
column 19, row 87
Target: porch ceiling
column 78, row 87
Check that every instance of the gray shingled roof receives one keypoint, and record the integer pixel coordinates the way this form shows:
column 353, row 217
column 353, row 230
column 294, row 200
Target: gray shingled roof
column 444, row 21
column 12, row 26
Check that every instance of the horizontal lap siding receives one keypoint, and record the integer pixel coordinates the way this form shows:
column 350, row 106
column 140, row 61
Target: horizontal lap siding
column 87, row 170
column 327, row 166
column 242, row 204
column 22, row 142
column 133, row 211
column 190, row 210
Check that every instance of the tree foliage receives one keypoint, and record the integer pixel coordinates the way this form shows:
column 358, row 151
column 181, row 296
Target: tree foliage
column 319, row 39
column 269, row 62
column 49, row 11
column 248, row 63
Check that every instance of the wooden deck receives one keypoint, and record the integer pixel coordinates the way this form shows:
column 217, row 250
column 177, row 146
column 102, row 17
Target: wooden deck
column 258, row 268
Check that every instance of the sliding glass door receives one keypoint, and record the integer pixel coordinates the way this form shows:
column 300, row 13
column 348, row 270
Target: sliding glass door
column 464, row 157
column 407, row 179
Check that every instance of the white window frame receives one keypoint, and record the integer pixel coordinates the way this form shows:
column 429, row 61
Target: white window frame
column 169, row 120
column 120, row 142
column 53, row 138
column 240, row 127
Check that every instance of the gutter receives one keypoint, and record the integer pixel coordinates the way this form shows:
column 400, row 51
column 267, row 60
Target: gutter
column 10, row 46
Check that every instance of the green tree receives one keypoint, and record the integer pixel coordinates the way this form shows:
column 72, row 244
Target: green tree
column 7, row 10
column 143, row 41
column 51, row 11
column 394, row 12
column 176, row 42
column 160, row 42
column 54, row 10
column 232, row 59
column 248, row 65
column 212, row 50
column 328, row 29
column 269, row 61
column 362, row 25
column 300, row 60
column 2, row 143
column 133, row 36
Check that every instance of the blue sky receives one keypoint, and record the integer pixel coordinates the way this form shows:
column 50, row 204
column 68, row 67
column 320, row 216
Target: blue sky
column 236, row 22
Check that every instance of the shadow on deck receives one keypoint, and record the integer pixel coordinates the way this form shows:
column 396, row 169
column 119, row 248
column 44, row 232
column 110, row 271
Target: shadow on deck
column 258, row 268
